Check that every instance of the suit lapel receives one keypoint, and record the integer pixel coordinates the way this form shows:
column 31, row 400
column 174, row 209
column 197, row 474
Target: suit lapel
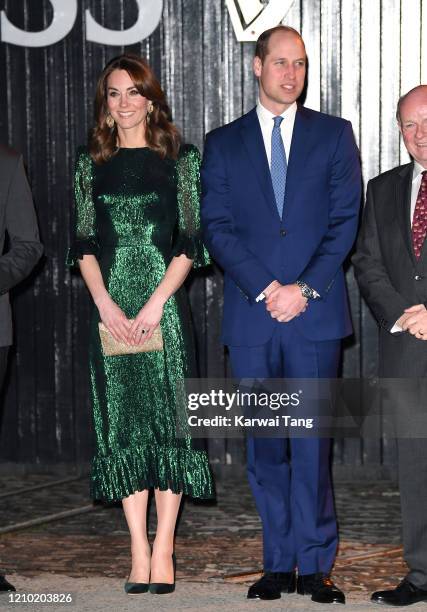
column 300, row 148
column 403, row 204
column 251, row 135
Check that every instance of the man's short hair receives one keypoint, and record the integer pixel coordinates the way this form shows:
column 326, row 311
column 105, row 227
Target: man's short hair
column 399, row 105
column 403, row 98
column 261, row 49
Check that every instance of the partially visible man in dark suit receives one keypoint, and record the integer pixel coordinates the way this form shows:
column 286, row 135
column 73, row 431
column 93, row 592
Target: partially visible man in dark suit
column 18, row 221
column 391, row 268
column 281, row 197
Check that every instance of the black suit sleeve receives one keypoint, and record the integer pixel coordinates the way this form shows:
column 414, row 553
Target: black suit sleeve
column 25, row 248
column 386, row 302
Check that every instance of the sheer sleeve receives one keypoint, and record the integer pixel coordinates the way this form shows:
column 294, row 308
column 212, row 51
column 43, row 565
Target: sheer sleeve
column 188, row 240
column 84, row 235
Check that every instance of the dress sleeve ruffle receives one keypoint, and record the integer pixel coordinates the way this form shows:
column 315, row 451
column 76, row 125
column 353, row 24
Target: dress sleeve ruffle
column 188, row 240
column 79, row 248
column 84, row 239
column 193, row 248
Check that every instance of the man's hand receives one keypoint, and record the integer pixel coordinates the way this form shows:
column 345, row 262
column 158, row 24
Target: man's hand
column 271, row 287
column 414, row 320
column 285, row 302
column 401, row 320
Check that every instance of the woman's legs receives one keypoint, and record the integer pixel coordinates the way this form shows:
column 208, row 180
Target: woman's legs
column 135, row 509
column 167, row 505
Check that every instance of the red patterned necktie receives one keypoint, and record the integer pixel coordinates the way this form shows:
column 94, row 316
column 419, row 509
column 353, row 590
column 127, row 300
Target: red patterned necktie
column 419, row 223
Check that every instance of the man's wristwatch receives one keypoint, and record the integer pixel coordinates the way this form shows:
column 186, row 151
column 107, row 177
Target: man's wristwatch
column 307, row 292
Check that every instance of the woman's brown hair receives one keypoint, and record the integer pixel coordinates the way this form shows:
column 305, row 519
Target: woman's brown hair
column 160, row 133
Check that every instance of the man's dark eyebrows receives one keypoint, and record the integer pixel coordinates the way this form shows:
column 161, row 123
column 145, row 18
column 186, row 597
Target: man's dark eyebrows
column 281, row 59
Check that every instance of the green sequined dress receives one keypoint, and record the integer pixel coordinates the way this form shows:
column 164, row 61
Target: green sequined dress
column 135, row 213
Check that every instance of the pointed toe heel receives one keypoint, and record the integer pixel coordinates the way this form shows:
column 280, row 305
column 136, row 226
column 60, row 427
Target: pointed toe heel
column 163, row 588
column 134, row 588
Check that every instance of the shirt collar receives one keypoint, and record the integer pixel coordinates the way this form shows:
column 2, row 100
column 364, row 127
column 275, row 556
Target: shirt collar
column 418, row 169
column 266, row 116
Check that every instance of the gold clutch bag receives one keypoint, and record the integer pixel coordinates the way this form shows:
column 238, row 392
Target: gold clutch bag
column 110, row 346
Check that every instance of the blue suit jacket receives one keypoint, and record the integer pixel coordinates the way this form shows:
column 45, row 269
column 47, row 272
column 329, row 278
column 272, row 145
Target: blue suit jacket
column 245, row 235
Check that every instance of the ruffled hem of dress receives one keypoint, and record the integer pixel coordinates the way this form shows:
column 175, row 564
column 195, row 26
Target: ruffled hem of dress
column 193, row 248
column 135, row 469
column 79, row 248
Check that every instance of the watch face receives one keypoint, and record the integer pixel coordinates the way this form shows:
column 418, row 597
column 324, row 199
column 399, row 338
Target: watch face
column 307, row 292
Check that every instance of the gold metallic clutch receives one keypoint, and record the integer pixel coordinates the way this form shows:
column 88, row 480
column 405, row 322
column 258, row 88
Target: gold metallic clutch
column 110, row 346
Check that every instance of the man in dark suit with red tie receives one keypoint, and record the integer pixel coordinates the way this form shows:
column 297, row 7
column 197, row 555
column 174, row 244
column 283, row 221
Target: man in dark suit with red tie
column 391, row 268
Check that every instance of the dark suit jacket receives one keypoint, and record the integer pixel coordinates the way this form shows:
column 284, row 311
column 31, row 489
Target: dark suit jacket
column 390, row 277
column 244, row 233
column 18, row 220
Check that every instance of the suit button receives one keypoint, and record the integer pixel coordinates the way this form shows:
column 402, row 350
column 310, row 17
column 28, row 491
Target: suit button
column 417, row 277
column 282, row 232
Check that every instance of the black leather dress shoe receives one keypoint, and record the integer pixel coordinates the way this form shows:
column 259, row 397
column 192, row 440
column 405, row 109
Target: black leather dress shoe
column 5, row 585
column 272, row 585
column 321, row 588
column 404, row 594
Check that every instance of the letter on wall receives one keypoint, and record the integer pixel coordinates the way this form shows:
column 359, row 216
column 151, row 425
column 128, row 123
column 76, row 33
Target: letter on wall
column 150, row 12
column 64, row 16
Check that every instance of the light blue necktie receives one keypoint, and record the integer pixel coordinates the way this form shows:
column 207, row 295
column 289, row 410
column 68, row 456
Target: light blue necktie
column 279, row 165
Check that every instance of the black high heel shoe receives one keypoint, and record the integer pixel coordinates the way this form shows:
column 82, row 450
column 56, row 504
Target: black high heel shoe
column 133, row 588
column 162, row 588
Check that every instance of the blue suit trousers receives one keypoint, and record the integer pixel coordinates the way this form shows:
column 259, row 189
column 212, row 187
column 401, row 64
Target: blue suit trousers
column 290, row 477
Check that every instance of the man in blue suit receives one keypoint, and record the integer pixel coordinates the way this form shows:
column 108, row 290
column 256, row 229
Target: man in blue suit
column 281, row 195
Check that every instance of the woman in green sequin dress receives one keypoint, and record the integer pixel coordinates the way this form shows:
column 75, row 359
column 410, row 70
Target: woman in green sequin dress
column 137, row 235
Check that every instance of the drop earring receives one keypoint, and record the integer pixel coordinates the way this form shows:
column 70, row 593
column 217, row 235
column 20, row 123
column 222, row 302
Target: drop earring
column 150, row 109
column 109, row 121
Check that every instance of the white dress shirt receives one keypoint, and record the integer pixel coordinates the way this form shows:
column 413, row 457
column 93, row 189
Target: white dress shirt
column 266, row 121
column 416, row 184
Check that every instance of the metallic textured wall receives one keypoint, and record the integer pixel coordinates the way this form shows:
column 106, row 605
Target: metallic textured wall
column 362, row 54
